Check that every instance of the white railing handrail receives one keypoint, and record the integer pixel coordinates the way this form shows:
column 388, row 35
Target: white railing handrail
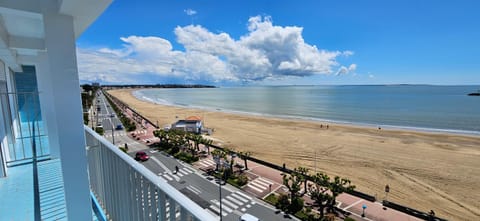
column 160, row 183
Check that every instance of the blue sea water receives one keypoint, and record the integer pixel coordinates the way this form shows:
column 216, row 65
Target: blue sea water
column 420, row 107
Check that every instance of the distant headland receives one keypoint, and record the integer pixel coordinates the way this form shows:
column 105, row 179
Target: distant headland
column 156, row 86
column 475, row 93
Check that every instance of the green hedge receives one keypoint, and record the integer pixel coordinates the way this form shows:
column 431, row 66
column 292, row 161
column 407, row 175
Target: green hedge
column 186, row 157
column 99, row 130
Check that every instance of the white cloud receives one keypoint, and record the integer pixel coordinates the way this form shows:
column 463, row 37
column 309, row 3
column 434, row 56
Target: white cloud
column 345, row 70
column 190, row 12
column 266, row 51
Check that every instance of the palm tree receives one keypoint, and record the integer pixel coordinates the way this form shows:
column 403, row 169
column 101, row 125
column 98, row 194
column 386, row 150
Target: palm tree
column 197, row 139
column 244, row 155
column 231, row 152
column 217, row 153
column 318, row 192
column 207, row 143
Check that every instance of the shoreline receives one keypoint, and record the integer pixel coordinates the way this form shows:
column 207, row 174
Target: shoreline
column 318, row 120
column 425, row 171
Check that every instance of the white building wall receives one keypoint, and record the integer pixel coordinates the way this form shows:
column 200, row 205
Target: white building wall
column 3, row 134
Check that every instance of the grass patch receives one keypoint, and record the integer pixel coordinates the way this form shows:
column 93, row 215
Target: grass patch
column 272, row 199
column 302, row 215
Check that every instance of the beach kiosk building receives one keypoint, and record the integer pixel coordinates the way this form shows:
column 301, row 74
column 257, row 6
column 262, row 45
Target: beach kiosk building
column 192, row 124
column 52, row 167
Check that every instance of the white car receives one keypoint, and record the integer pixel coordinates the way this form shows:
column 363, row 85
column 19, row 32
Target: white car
column 248, row 217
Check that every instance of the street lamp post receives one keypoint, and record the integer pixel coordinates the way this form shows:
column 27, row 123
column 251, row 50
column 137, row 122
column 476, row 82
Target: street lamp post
column 113, row 134
column 363, row 210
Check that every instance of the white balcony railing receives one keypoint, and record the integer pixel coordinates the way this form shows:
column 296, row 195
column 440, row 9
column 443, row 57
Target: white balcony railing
column 126, row 190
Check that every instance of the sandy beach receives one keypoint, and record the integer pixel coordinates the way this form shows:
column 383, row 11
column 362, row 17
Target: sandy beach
column 424, row 170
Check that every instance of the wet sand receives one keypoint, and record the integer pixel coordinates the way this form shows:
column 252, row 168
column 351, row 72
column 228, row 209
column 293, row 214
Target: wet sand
column 424, row 170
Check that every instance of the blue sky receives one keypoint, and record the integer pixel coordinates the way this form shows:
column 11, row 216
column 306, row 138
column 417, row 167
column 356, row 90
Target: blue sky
column 283, row 42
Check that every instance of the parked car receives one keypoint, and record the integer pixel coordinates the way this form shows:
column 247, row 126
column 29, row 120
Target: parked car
column 119, row 127
column 141, row 156
column 248, row 217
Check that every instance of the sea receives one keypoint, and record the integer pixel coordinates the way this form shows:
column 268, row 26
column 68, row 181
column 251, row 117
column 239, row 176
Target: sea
column 415, row 107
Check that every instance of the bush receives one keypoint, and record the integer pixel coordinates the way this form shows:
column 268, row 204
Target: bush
column 186, row 157
column 349, row 219
column 85, row 118
column 99, row 130
column 238, row 181
column 296, row 205
column 282, row 202
column 242, row 179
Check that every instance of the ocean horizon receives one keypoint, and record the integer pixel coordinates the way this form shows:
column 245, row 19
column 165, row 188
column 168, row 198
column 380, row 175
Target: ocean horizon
column 414, row 107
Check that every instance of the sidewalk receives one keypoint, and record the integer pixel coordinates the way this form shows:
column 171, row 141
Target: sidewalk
column 261, row 177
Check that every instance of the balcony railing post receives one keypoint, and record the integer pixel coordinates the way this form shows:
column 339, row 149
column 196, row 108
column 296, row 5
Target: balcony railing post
column 161, row 205
column 172, row 208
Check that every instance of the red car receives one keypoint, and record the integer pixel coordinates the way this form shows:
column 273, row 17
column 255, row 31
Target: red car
column 141, row 156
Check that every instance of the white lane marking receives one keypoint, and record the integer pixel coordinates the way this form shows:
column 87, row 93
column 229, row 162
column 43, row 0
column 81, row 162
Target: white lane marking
column 182, row 171
column 230, row 204
column 193, row 189
column 176, row 177
column 216, row 209
column 234, row 200
column 263, row 181
column 239, row 197
column 203, row 164
column 168, row 177
column 254, row 188
column 353, row 204
column 188, row 170
column 241, row 194
column 258, row 185
column 226, row 208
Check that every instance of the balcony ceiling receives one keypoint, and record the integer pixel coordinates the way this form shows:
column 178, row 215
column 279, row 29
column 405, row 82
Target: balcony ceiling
column 22, row 27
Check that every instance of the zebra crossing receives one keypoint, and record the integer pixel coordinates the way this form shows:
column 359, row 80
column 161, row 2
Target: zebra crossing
column 138, row 132
column 207, row 163
column 260, row 184
column 234, row 201
column 117, row 134
column 176, row 176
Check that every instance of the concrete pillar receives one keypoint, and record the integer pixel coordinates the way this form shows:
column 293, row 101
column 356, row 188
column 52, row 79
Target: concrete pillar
column 47, row 104
column 67, row 109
